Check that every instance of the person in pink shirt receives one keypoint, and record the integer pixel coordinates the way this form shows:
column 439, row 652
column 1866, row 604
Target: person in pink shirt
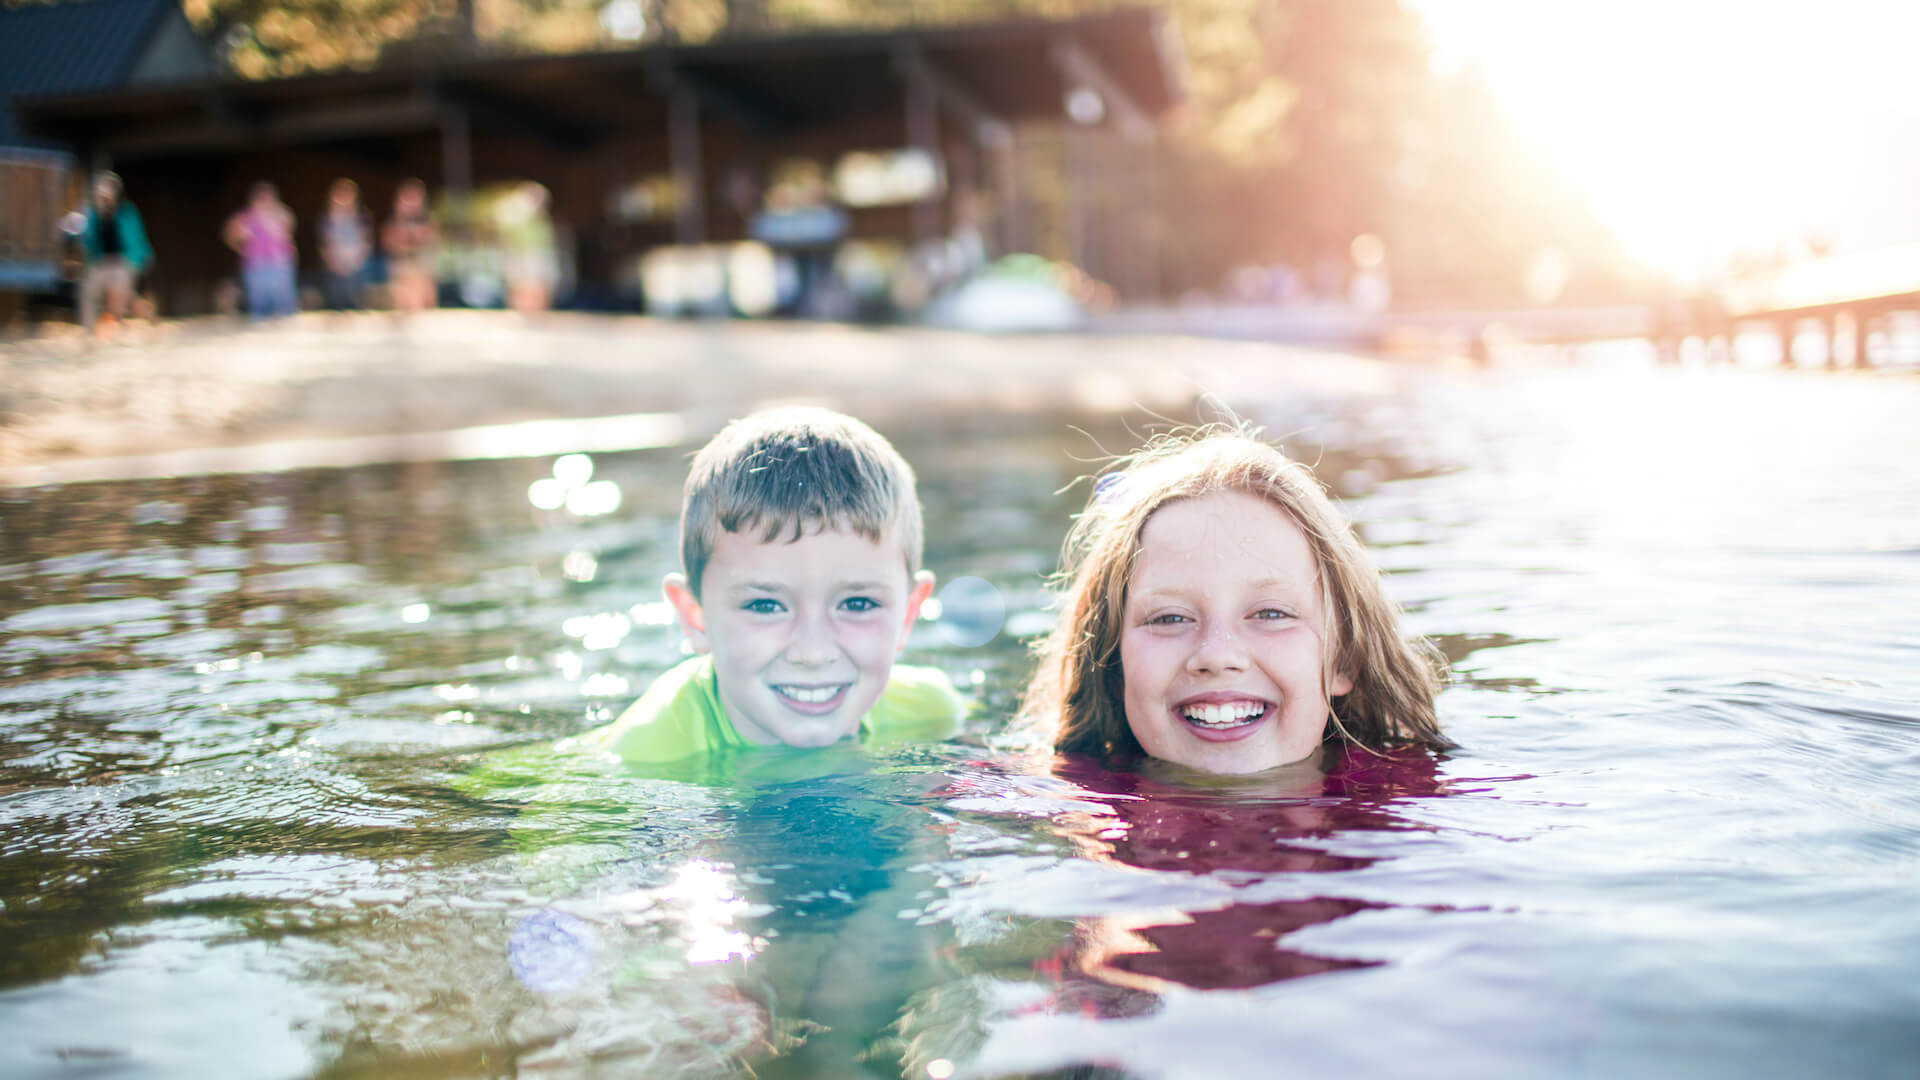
column 263, row 235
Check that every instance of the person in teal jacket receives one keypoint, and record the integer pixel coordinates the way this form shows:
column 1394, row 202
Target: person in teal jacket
column 114, row 242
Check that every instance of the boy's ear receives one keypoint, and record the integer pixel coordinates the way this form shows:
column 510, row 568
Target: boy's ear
column 916, row 596
column 686, row 607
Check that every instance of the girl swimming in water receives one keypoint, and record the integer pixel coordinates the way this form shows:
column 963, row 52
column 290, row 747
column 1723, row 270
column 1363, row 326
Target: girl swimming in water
column 1220, row 614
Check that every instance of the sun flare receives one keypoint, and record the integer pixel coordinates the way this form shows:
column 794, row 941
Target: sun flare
column 1702, row 129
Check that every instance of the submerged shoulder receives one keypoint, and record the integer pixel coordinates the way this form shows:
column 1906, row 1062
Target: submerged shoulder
column 919, row 704
column 670, row 721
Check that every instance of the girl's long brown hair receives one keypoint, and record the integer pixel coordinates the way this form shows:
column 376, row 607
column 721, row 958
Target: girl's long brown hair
column 1077, row 694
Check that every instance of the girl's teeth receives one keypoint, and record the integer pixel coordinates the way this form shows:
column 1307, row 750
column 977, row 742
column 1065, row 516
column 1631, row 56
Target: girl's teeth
column 1224, row 715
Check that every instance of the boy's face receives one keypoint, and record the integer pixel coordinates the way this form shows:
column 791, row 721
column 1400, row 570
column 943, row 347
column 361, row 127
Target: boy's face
column 803, row 634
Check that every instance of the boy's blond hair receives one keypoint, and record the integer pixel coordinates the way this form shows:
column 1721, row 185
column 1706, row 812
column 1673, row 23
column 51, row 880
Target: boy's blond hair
column 788, row 472
column 1077, row 695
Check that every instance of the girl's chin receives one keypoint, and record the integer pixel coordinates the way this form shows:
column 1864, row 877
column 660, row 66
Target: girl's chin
column 1241, row 752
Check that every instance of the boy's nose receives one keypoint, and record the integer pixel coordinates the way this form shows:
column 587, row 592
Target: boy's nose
column 1218, row 650
column 812, row 645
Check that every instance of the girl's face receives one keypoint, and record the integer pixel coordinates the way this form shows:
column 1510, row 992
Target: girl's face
column 1221, row 640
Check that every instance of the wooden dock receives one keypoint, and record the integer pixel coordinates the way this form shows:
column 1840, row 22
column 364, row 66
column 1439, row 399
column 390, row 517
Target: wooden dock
column 1850, row 296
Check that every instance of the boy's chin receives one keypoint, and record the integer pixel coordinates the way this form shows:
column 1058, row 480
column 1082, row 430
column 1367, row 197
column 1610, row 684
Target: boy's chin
column 813, row 739
column 793, row 729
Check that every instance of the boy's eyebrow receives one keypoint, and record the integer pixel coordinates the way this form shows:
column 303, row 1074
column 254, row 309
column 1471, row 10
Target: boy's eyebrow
column 773, row 586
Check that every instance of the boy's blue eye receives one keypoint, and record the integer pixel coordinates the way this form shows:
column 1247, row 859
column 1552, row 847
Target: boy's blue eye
column 860, row 603
column 762, row 605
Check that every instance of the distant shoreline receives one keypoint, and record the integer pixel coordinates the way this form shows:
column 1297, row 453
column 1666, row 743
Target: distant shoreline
column 318, row 390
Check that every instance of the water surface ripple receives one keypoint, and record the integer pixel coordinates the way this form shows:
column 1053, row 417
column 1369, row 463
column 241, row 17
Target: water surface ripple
column 260, row 813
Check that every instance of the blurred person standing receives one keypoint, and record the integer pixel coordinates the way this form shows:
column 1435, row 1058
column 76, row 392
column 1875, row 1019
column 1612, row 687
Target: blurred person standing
column 526, row 235
column 412, row 242
column 346, row 242
column 263, row 235
column 113, row 245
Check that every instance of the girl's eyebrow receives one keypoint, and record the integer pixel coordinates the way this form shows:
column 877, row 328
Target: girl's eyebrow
column 1181, row 592
column 1274, row 583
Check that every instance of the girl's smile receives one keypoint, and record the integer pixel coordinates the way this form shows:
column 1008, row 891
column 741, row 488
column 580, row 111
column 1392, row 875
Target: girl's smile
column 1223, row 716
column 1223, row 646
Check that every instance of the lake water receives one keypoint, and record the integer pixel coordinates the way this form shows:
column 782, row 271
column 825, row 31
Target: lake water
column 242, row 717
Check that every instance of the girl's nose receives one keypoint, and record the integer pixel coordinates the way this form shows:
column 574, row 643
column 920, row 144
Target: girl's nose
column 1218, row 650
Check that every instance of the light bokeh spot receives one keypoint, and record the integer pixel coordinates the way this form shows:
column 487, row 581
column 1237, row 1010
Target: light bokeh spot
column 971, row 611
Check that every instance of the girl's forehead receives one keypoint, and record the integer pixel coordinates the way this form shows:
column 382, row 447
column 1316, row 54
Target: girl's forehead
column 1213, row 514
column 1222, row 535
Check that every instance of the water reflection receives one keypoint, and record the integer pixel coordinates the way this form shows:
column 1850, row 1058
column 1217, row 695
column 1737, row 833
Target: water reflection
column 1248, row 835
column 239, row 717
column 227, row 709
column 1249, row 838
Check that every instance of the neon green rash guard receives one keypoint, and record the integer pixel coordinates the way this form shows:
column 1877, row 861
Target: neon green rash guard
column 680, row 716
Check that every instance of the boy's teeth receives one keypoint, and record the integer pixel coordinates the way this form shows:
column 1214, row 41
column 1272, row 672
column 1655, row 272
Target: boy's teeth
column 811, row 695
column 1228, row 715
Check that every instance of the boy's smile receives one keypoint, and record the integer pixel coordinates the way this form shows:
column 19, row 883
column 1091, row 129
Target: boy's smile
column 1222, row 645
column 803, row 633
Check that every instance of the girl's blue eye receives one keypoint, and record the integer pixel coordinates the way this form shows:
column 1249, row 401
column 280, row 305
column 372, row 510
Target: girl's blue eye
column 1168, row 618
column 762, row 605
column 860, row 603
column 1273, row 613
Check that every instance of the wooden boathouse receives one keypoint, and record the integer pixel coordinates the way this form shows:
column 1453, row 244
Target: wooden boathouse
column 669, row 145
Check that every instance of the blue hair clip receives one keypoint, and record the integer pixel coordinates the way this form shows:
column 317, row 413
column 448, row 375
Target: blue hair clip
column 1107, row 486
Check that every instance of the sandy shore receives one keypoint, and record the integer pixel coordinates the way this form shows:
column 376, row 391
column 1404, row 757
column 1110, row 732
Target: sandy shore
column 75, row 409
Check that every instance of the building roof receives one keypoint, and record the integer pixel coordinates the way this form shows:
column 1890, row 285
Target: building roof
column 73, row 47
column 771, row 84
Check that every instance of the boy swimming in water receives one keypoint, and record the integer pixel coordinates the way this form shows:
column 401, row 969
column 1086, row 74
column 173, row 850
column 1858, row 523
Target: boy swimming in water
column 800, row 542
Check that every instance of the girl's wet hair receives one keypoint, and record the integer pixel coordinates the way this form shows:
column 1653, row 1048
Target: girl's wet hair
column 1077, row 694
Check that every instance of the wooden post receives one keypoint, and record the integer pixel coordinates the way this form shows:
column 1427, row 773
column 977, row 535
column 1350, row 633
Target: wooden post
column 683, row 148
column 923, row 133
column 1073, row 159
column 1151, row 224
column 456, row 150
column 1788, row 326
column 1005, row 163
column 1855, row 354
